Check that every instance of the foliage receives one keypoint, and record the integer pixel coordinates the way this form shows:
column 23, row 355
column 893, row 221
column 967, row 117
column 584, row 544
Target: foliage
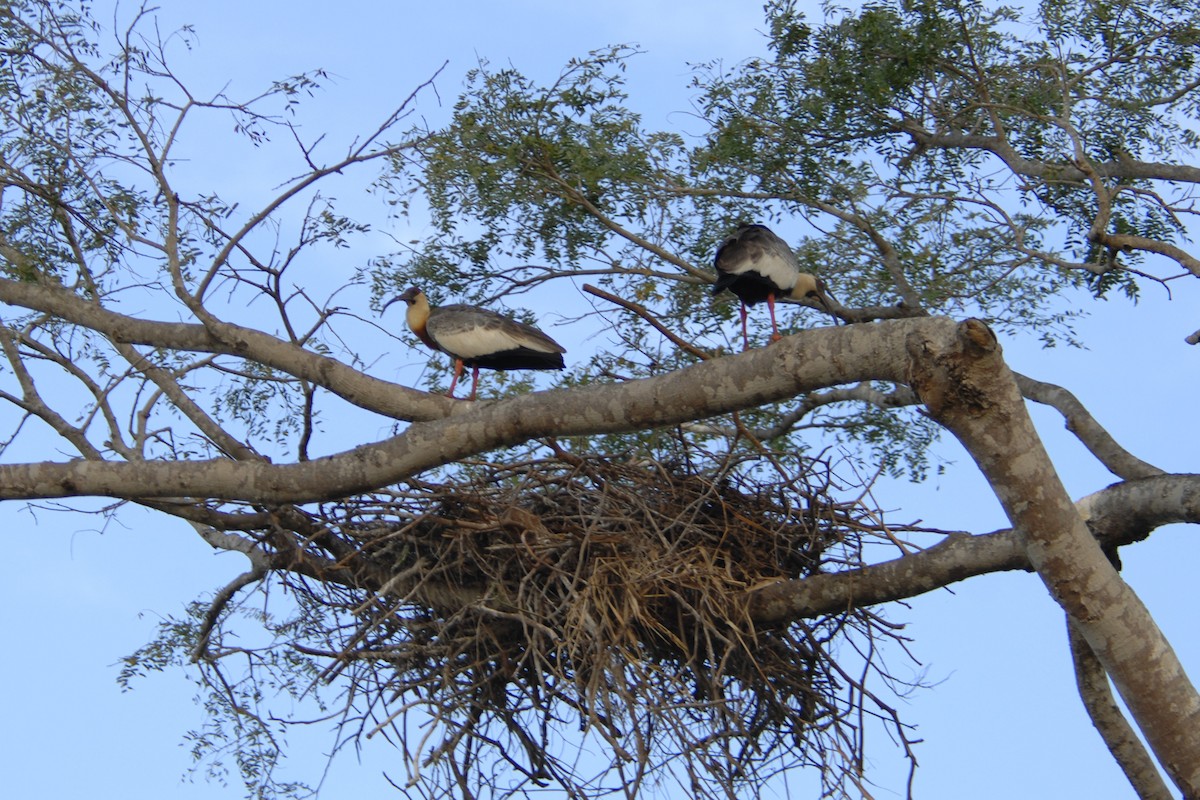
column 238, row 728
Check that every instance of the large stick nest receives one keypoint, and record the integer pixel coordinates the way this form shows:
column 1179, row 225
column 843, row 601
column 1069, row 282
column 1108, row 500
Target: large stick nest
column 521, row 604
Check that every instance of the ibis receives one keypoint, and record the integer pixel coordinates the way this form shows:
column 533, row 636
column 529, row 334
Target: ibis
column 478, row 338
column 757, row 265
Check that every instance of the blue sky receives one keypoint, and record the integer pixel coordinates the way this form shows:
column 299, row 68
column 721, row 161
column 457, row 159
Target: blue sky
column 1004, row 719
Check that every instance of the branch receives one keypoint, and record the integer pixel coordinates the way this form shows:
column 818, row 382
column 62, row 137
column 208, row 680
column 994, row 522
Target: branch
column 1119, row 515
column 1122, row 169
column 649, row 318
column 219, row 603
column 1127, row 242
column 863, row 392
column 1116, row 731
column 1091, row 433
column 183, row 402
column 799, row 363
column 33, row 403
column 364, row 391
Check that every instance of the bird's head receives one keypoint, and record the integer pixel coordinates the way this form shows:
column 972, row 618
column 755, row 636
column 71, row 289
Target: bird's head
column 417, row 312
column 811, row 288
column 409, row 296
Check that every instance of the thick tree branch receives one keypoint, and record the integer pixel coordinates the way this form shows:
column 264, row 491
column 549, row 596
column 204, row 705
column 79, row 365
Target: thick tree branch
column 958, row 557
column 1128, row 512
column 1119, row 515
column 800, row 363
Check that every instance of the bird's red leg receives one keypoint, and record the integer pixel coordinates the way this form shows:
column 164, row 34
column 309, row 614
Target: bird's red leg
column 458, row 370
column 745, row 333
column 474, row 381
column 775, row 337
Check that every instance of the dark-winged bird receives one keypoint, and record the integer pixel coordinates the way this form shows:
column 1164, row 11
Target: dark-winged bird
column 478, row 338
column 757, row 265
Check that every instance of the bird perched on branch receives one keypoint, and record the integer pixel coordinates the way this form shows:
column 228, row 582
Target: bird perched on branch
column 757, row 265
column 478, row 338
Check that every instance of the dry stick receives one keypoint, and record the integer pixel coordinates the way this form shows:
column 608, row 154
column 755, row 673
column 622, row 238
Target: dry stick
column 646, row 315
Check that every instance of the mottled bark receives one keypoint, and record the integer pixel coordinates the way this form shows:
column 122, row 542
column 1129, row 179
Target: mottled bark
column 1119, row 515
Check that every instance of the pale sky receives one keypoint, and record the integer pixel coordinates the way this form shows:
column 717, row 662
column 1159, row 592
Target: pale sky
column 1004, row 720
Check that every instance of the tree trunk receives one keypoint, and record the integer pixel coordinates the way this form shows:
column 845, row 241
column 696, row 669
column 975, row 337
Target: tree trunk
column 968, row 388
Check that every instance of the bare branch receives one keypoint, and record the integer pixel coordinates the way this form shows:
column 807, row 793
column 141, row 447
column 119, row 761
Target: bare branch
column 1094, row 437
column 188, row 407
column 650, row 318
column 1111, row 724
column 1119, row 515
column 801, row 362
column 386, row 398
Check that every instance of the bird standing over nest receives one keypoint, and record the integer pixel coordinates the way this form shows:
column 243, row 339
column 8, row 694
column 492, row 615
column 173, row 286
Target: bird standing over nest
column 478, row 338
column 757, row 265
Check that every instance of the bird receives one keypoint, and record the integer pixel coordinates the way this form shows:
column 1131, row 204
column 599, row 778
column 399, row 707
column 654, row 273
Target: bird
column 478, row 338
column 757, row 265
